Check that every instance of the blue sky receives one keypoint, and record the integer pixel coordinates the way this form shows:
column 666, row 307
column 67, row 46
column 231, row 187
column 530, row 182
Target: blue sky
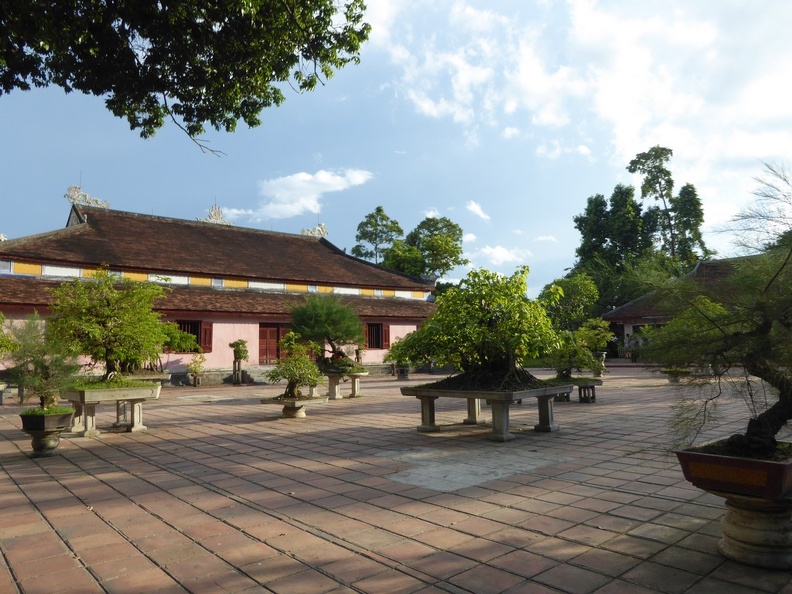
column 504, row 116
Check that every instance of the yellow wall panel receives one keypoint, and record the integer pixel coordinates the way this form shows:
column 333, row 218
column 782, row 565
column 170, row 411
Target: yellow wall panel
column 418, row 294
column 89, row 272
column 293, row 288
column 24, row 268
column 324, row 289
column 388, row 293
column 235, row 284
column 136, row 276
column 367, row 292
column 201, row 281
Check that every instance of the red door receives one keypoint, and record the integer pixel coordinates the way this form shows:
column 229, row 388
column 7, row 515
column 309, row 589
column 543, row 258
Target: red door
column 268, row 344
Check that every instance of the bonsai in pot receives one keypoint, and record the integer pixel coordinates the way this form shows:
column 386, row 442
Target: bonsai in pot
column 297, row 367
column 44, row 367
column 485, row 328
column 196, row 368
column 400, row 358
column 113, row 323
column 332, row 326
column 240, row 354
column 734, row 318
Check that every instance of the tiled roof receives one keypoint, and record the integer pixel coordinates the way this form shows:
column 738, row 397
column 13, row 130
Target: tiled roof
column 145, row 243
column 649, row 309
column 26, row 292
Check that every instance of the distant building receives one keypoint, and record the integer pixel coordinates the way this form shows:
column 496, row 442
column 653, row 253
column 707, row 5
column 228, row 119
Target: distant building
column 226, row 282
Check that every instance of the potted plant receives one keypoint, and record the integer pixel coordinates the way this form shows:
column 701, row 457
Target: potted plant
column 733, row 317
column 595, row 334
column 485, row 328
column 113, row 323
column 332, row 325
column 240, row 354
column 44, row 367
column 400, row 360
column 196, row 368
column 298, row 368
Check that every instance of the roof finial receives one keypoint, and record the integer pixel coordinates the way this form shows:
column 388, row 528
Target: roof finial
column 319, row 231
column 75, row 195
column 215, row 216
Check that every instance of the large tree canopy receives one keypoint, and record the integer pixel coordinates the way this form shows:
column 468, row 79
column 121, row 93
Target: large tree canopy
column 430, row 250
column 194, row 61
column 379, row 231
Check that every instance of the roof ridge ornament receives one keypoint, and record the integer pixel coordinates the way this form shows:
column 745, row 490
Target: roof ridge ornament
column 319, row 231
column 215, row 216
column 75, row 195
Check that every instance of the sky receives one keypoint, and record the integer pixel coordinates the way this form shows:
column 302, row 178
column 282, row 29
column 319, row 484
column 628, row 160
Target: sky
column 502, row 115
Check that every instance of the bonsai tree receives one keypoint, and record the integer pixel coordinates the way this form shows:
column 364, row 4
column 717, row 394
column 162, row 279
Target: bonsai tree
column 569, row 353
column 325, row 320
column 736, row 323
column 240, row 354
column 196, row 367
column 296, row 366
column 41, row 364
column 110, row 320
column 484, row 328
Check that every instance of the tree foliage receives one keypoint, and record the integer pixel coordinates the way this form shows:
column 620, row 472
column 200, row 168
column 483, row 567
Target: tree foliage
column 39, row 362
column 296, row 365
column 575, row 303
column 196, row 62
column 110, row 320
column 430, row 250
column 377, row 230
column 486, row 327
column 735, row 322
column 624, row 233
column 326, row 320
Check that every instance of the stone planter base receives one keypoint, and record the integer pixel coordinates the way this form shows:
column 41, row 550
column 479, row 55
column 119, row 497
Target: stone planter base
column 756, row 531
column 45, row 431
column 293, row 409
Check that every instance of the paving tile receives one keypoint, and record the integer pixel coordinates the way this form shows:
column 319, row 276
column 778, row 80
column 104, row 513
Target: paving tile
column 661, row 578
column 571, row 579
column 484, row 579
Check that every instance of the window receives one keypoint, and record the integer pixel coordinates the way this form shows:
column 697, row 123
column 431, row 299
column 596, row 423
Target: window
column 201, row 330
column 377, row 336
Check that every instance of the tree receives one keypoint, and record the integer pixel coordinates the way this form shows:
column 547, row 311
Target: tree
column 379, row 231
column 575, row 304
column 736, row 321
column 658, row 184
column 623, row 234
column 486, row 327
column 296, row 365
column 194, row 62
column 39, row 362
column 325, row 320
column 110, row 320
column 681, row 216
column 430, row 250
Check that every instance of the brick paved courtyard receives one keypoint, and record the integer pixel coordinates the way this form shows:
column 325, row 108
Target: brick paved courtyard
column 222, row 495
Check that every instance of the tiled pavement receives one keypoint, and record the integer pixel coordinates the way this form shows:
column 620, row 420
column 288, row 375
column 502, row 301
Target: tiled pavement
column 222, row 495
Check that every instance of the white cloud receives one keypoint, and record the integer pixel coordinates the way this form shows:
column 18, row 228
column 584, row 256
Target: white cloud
column 469, row 238
column 476, row 209
column 550, row 238
column 432, row 213
column 299, row 193
column 498, row 255
column 510, row 132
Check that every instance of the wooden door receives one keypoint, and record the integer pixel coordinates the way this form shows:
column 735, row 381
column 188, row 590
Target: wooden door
column 268, row 344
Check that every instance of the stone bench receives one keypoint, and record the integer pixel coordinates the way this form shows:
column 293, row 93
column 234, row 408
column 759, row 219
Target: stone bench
column 499, row 402
column 587, row 391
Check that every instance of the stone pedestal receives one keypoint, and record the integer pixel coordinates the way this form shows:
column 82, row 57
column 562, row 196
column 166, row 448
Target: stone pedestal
column 757, row 531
